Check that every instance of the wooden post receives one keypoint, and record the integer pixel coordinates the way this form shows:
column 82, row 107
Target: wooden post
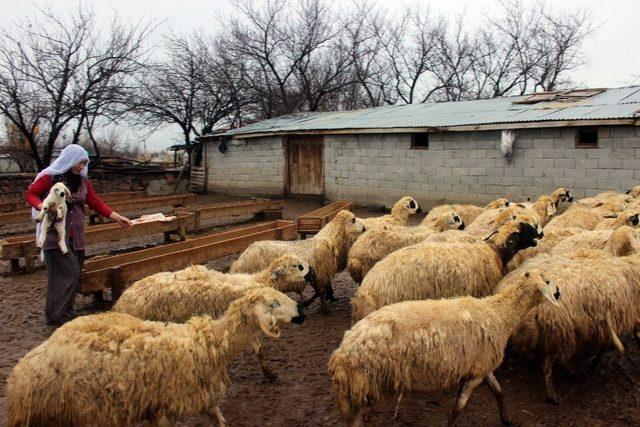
column 15, row 264
column 117, row 287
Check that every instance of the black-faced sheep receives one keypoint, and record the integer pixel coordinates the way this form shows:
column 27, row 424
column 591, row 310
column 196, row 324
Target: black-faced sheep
column 432, row 270
column 468, row 213
column 431, row 345
column 114, row 369
column 376, row 244
column 197, row 291
column 326, row 252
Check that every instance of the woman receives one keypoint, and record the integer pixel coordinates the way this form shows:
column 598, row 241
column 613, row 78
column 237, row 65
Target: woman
column 63, row 271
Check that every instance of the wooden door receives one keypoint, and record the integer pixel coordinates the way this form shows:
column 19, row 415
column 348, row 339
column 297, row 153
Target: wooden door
column 305, row 166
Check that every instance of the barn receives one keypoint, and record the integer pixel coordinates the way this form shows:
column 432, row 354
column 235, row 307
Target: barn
column 584, row 139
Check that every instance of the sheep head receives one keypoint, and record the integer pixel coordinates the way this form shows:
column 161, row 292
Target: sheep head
column 634, row 192
column 517, row 234
column 348, row 222
column 546, row 288
column 561, row 195
column 291, row 269
column 270, row 308
column 498, row 204
column 405, row 207
column 60, row 190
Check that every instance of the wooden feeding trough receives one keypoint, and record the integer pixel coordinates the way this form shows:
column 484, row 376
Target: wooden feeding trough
column 146, row 203
column 270, row 208
column 116, row 271
column 313, row 221
column 14, row 248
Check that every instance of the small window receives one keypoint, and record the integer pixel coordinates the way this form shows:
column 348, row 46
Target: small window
column 420, row 141
column 587, row 137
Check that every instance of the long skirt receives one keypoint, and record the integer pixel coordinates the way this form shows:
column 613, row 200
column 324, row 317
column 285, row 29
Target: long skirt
column 63, row 283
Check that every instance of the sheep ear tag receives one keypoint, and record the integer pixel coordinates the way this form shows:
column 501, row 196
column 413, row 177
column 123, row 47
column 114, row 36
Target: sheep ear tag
column 267, row 322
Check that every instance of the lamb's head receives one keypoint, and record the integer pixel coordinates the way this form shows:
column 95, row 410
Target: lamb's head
column 634, row 192
column 268, row 308
column 498, row 204
column 454, row 221
column 546, row 289
column 406, row 207
column 60, row 191
column 520, row 233
column 291, row 269
column 348, row 222
column 561, row 195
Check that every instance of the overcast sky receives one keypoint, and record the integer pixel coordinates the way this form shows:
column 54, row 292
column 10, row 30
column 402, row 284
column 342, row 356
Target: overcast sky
column 612, row 53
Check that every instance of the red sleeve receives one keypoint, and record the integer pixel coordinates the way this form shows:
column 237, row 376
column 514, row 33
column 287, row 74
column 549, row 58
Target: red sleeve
column 38, row 190
column 94, row 202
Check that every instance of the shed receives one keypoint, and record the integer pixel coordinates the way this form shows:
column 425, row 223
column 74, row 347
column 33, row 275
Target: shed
column 584, row 139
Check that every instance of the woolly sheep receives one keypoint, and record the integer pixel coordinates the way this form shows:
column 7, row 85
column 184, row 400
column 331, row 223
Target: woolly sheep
column 115, row 369
column 545, row 245
column 613, row 221
column 468, row 213
column 400, row 213
column 600, row 302
column 431, row 345
column 618, row 242
column 634, row 192
column 326, row 252
column 197, row 291
column 441, row 270
column 374, row 245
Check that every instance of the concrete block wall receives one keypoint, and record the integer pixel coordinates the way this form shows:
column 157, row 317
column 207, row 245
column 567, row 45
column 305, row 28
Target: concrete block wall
column 249, row 167
column 468, row 167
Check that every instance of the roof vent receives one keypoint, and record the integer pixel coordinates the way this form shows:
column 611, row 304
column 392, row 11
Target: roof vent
column 572, row 95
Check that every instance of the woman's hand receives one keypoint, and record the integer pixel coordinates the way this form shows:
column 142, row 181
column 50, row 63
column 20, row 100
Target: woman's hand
column 122, row 220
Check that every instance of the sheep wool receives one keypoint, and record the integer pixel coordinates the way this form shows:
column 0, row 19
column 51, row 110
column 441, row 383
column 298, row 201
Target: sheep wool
column 400, row 213
column 433, row 270
column 118, row 370
column 431, row 345
column 468, row 213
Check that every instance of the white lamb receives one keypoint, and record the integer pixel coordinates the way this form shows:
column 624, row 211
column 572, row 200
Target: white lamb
column 54, row 212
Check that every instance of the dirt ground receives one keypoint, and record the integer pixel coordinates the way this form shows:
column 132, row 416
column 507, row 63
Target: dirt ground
column 605, row 395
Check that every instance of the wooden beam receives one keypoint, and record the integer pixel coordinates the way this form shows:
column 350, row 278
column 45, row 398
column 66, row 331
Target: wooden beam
column 97, row 275
column 312, row 222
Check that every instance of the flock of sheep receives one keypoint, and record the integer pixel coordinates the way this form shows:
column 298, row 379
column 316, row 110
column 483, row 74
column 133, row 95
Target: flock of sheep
column 436, row 307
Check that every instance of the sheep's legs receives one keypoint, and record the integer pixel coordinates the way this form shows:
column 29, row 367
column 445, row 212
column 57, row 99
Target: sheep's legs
column 491, row 381
column 547, row 372
column 268, row 374
column 466, row 388
column 216, row 415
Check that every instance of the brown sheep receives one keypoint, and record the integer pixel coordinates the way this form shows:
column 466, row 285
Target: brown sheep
column 400, row 213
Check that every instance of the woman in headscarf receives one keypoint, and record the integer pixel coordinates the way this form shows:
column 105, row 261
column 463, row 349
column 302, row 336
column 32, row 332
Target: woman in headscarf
column 64, row 270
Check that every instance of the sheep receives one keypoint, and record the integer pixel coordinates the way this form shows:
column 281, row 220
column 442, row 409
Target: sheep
column 490, row 220
column 613, row 221
column 618, row 242
column 634, row 192
column 374, row 245
column 326, row 252
column 442, row 270
column 431, row 345
column 545, row 245
column 115, row 369
column 600, row 302
column 197, row 291
column 468, row 213
column 400, row 213
column 586, row 216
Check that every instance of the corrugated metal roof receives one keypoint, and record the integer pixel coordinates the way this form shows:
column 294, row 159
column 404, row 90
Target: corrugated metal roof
column 617, row 103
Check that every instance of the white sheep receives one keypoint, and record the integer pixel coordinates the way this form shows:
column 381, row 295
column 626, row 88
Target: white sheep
column 326, row 252
column 443, row 269
column 431, row 345
column 468, row 213
column 114, row 369
column 400, row 213
column 376, row 244
column 197, row 291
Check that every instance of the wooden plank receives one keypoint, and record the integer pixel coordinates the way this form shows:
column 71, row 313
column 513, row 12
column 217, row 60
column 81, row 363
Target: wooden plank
column 152, row 202
column 21, row 205
column 223, row 210
column 313, row 221
column 98, row 275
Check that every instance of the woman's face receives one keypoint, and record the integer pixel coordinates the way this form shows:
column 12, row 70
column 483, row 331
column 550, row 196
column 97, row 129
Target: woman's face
column 78, row 168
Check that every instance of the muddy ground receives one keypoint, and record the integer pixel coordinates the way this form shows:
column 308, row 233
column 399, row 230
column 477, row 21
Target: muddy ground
column 607, row 394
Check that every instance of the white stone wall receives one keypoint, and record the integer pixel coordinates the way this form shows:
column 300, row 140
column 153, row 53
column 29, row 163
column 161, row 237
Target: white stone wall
column 256, row 167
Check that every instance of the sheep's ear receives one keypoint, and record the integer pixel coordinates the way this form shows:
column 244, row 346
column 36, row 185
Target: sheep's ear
column 612, row 215
column 551, row 209
column 267, row 321
column 489, row 236
column 67, row 192
column 277, row 272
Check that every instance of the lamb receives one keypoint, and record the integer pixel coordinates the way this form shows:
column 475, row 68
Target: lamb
column 431, row 345
column 115, row 369
column 54, row 213
column 400, row 213
column 326, row 252
column 468, row 213
column 442, row 270
column 197, row 291
column 600, row 303
column 376, row 244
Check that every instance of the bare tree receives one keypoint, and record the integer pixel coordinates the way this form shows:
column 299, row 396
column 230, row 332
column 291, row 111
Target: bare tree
column 51, row 70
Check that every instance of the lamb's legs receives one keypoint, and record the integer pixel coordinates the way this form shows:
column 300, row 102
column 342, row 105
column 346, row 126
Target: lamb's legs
column 257, row 347
column 491, row 381
column 466, row 388
column 60, row 227
column 44, row 227
column 547, row 372
column 216, row 416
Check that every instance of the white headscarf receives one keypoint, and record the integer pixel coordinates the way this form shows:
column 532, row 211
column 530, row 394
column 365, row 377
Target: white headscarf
column 70, row 156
